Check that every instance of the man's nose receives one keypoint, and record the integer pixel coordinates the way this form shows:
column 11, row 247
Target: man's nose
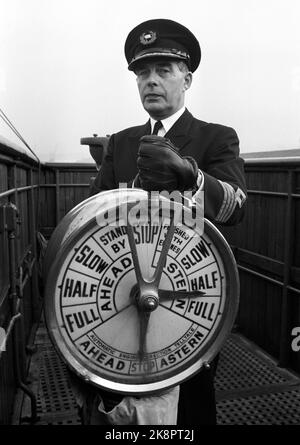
column 152, row 78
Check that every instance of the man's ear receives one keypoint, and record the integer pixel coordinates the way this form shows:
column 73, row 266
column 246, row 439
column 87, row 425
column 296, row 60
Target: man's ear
column 188, row 78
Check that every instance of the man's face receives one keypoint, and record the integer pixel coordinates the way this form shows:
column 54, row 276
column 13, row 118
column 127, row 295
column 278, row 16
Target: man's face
column 162, row 86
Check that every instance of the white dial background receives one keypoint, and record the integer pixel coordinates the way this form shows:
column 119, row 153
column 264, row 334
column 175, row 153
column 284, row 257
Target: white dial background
column 98, row 320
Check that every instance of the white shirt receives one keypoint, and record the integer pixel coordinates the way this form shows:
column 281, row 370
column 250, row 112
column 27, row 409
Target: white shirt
column 168, row 122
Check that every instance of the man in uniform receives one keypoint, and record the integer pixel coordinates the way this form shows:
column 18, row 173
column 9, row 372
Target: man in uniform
column 175, row 151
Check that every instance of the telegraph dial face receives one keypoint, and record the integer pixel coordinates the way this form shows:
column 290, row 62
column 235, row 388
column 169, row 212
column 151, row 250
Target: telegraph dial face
column 139, row 308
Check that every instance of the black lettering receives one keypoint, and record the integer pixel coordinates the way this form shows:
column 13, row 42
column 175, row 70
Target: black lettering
column 198, row 335
column 68, row 287
column 145, row 234
column 120, row 365
column 126, row 262
column 70, row 322
column 87, row 258
column 196, row 255
column 94, row 316
column 110, row 363
column 178, row 353
column 78, row 319
column 101, row 266
column 177, row 240
column 82, row 254
column 120, row 231
column 194, row 284
column 77, row 289
column 172, row 267
column 205, row 282
column 214, row 278
column 101, row 357
column 204, row 309
column 185, row 349
column 108, row 282
column 179, row 275
column 181, row 233
column 81, row 319
column 105, row 294
column 93, row 351
column 103, row 240
column 80, row 289
column 180, row 283
column 113, row 235
column 180, row 304
column 94, row 261
column 163, row 363
column 90, row 261
column 116, row 271
column 186, row 263
column 172, row 358
column 174, row 248
column 202, row 249
column 115, row 248
column 210, row 312
column 106, row 306
column 137, row 238
column 93, row 289
column 85, row 344
column 192, row 342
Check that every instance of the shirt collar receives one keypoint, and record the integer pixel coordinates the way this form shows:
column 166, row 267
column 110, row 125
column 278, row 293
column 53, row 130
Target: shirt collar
column 169, row 121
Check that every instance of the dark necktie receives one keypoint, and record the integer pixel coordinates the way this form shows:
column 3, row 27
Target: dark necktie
column 157, row 126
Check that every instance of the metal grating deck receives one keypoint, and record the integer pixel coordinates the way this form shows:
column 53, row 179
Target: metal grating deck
column 49, row 381
column 250, row 388
column 281, row 408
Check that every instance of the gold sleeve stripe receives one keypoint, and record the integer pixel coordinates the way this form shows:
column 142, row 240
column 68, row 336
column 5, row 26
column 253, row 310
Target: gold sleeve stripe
column 228, row 204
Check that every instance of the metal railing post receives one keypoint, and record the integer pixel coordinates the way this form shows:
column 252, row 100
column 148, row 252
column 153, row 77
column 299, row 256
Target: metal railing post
column 284, row 346
column 17, row 309
column 57, row 196
column 33, row 235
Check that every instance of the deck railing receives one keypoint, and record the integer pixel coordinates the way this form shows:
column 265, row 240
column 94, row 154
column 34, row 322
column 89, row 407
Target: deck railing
column 267, row 250
column 20, row 302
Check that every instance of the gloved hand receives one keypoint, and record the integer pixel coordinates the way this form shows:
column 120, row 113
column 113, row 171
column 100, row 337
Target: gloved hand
column 161, row 167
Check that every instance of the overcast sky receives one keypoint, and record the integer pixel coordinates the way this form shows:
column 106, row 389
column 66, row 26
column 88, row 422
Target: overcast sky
column 63, row 73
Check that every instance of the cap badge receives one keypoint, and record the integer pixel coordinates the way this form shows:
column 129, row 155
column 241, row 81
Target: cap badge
column 148, row 37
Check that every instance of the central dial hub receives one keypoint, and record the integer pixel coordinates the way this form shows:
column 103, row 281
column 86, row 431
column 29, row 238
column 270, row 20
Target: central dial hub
column 148, row 302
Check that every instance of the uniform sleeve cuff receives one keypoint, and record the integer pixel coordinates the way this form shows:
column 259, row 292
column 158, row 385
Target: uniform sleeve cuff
column 231, row 199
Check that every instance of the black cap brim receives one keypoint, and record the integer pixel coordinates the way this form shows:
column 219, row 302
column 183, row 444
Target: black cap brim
column 162, row 38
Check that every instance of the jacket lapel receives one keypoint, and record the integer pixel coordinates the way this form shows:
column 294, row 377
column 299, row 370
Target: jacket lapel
column 133, row 139
column 179, row 134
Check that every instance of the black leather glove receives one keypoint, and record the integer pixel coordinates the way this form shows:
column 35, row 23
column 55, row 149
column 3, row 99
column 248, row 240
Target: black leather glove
column 161, row 167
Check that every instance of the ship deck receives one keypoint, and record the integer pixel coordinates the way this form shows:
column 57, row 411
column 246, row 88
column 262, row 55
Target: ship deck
column 251, row 388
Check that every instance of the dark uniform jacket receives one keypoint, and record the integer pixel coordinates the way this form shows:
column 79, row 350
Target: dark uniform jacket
column 216, row 150
column 214, row 147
